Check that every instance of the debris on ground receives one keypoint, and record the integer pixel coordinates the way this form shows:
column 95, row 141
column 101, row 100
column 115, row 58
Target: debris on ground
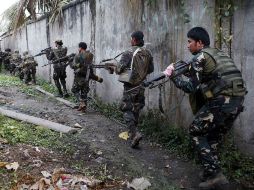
column 139, row 184
column 59, row 180
column 124, row 135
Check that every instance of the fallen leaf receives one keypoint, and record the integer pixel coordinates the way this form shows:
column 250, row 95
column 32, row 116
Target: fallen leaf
column 37, row 149
column 12, row 127
column 3, row 164
column 46, row 174
column 3, row 141
column 12, row 166
column 77, row 126
column 124, row 135
column 139, row 184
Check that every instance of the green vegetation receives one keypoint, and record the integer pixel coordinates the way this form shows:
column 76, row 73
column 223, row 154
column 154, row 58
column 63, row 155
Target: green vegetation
column 157, row 128
column 107, row 109
column 18, row 132
column 11, row 81
column 235, row 165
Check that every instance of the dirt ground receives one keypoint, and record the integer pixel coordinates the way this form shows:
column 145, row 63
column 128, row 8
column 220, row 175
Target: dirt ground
column 97, row 147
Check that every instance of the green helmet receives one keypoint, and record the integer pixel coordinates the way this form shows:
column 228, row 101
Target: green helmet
column 25, row 53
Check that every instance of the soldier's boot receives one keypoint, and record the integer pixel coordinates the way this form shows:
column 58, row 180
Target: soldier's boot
column 60, row 93
column 65, row 92
column 58, row 85
column 82, row 106
column 136, row 139
column 202, row 176
column 212, row 182
column 77, row 99
column 33, row 79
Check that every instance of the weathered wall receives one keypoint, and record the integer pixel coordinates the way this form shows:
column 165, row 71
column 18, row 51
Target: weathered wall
column 106, row 27
column 243, row 54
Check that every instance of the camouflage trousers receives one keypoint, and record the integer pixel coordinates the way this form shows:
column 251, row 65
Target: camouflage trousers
column 132, row 102
column 210, row 125
column 80, row 88
column 59, row 77
column 29, row 75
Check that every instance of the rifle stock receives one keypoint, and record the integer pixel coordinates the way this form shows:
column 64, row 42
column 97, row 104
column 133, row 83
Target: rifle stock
column 68, row 58
column 107, row 66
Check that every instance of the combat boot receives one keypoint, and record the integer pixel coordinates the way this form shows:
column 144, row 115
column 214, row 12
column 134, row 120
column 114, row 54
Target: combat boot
column 59, row 94
column 82, row 106
column 213, row 182
column 136, row 139
column 65, row 93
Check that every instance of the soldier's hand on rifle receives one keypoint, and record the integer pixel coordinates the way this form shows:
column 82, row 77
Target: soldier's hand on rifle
column 110, row 67
column 169, row 70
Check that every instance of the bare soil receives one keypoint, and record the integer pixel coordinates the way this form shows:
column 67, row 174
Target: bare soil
column 97, row 148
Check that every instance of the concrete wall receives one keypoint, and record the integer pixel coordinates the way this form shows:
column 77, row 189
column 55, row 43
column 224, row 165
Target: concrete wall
column 106, row 27
column 243, row 54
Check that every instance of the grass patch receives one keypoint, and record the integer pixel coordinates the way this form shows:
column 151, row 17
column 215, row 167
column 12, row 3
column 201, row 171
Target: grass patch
column 157, row 128
column 107, row 109
column 45, row 85
column 19, row 132
column 11, row 81
column 236, row 165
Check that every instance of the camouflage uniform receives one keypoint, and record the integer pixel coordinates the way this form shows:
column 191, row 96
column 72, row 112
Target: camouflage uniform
column 1, row 59
column 219, row 84
column 29, row 68
column 59, row 74
column 6, row 59
column 15, row 61
column 133, row 100
column 82, row 74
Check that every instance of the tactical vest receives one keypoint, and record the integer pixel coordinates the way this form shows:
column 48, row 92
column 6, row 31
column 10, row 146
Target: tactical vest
column 59, row 53
column 225, row 79
column 138, row 69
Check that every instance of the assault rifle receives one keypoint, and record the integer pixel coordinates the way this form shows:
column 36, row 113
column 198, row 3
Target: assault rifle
column 181, row 67
column 43, row 52
column 107, row 66
column 67, row 58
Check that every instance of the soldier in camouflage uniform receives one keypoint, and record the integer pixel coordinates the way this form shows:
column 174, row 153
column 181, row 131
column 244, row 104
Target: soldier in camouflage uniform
column 133, row 98
column 28, row 68
column 218, row 90
column 82, row 74
column 15, row 62
column 59, row 74
column 6, row 58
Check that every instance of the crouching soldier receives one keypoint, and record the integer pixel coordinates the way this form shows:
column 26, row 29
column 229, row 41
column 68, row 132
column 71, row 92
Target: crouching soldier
column 217, row 88
column 28, row 68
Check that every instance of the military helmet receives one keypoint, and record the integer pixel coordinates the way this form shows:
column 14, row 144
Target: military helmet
column 59, row 42
column 25, row 53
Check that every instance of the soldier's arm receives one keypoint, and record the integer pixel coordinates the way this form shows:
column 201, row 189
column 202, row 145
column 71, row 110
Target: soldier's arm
column 195, row 77
column 50, row 55
column 187, row 86
column 75, row 62
column 124, row 62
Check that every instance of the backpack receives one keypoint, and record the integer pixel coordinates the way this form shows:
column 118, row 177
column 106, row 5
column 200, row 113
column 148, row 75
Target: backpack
column 138, row 70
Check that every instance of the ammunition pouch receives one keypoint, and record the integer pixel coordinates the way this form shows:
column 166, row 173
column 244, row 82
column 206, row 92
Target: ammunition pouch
column 216, row 87
column 126, row 76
